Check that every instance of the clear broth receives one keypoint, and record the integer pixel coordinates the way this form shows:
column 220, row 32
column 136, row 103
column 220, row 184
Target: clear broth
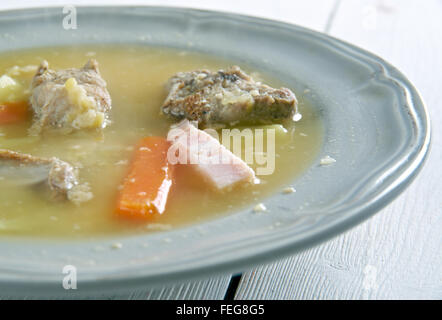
column 135, row 76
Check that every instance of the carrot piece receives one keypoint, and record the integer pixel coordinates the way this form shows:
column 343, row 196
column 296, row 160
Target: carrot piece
column 146, row 187
column 11, row 112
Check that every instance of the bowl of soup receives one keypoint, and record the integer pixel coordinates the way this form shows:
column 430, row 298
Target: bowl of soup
column 147, row 145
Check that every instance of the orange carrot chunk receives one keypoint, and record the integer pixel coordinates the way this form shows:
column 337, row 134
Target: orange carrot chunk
column 12, row 112
column 146, row 187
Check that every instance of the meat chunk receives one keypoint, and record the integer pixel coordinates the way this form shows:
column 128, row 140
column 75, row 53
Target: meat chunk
column 216, row 164
column 58, row 175
column 226, row 97
column 70, row 99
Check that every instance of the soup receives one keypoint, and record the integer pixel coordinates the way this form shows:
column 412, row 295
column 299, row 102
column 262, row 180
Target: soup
column 136, row 78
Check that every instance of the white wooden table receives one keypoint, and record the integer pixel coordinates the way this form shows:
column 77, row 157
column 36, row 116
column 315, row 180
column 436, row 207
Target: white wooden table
column 397, row 254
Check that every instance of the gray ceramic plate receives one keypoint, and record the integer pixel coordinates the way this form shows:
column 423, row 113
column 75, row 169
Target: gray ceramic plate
column 376, row 124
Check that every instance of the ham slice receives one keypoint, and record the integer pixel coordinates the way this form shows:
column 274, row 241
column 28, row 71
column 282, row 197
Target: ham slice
column 218, row 165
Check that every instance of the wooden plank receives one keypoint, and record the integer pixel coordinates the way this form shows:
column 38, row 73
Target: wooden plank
column 398, row 253
column 212, row 289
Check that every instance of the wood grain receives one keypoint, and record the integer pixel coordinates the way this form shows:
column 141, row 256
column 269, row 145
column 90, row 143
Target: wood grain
column 398, row 253
column 212, row 289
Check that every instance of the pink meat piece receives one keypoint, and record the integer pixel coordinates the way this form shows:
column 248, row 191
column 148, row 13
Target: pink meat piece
column 218, row 165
